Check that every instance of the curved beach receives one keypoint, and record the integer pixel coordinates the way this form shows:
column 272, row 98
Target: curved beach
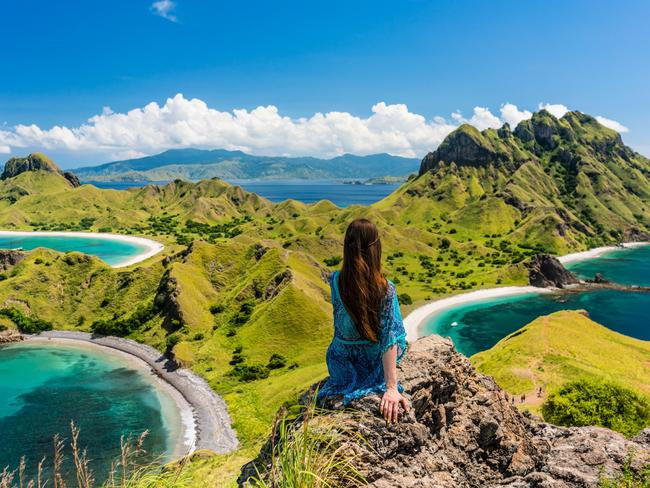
column 150, row 247
column 204, row 419
column 417, row 317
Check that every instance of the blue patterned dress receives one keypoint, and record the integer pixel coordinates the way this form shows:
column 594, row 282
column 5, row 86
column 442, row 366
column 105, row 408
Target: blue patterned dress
column 354, row 363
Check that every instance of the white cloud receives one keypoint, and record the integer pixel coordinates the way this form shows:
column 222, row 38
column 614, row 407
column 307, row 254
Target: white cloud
column 165, row 9
column 182, row 122
column 556, row 109
column 511, row 114
column 481, row 118
column 612, row 124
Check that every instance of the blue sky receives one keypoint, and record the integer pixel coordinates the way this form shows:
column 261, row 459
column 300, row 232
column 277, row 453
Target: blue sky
column 66, row 62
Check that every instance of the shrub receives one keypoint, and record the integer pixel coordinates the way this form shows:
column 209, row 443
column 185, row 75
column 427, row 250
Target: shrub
column 250, row 372
column 25, row 324
column 593, row 402
column 199, row 336
column 444, row 243
column 171, row 341
column 404, row 299
column 244, row 313
column 277, row 361
column 332, row 261
column 125, row 326
column 215, row 309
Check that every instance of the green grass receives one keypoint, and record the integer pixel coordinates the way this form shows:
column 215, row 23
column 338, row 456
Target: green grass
column 459, row 227
column 561, row 347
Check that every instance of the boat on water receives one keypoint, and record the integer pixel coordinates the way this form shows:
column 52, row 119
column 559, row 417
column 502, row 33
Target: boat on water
column 454, row 324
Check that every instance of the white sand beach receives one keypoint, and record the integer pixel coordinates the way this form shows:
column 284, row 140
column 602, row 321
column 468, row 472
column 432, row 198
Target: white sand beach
column 417, row 317
column 597, row 252
column 151, row 248
column 200, row 419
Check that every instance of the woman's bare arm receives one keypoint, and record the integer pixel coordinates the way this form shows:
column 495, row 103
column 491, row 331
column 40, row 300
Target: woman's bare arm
column 392, row 399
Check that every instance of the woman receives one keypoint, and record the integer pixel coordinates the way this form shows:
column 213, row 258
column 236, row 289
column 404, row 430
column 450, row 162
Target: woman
column 369, row 338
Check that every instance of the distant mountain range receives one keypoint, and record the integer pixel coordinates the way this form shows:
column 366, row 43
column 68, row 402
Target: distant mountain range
column 197, row 164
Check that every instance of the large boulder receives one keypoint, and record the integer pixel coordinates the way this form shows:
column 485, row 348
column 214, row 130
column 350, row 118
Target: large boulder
column 546, row 271
column 465, row 431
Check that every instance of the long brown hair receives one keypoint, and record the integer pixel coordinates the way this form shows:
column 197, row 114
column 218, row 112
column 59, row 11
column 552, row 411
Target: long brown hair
column 362, row 285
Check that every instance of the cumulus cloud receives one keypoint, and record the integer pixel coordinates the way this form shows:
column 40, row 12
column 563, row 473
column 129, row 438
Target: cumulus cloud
column 481, row 118
column 556, row 109
column 511, row 114
column 182, row 122
column 165, row 9
column 612, row 124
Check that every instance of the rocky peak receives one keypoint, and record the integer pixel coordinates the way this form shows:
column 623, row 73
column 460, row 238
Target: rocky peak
column 464, row 431
column 36, row 162
column 464, row 146
column 547, row 271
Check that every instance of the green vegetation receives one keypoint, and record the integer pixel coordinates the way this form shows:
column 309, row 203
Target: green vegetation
column 594, row 402
column 242, row 280
column 25, row 324
column 628, row 478
column 309, row 453
column 556, row 349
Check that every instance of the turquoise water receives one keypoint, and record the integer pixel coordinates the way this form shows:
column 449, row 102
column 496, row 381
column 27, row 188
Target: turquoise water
column 111, row 251
column 43, row 388
column 480, row 325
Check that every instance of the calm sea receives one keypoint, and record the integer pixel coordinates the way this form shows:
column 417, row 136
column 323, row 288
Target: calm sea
column 307, row 191
column 43, row 388
column 480, row 325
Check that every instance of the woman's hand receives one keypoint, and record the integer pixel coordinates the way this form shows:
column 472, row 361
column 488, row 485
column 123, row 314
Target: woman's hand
column 390, row 402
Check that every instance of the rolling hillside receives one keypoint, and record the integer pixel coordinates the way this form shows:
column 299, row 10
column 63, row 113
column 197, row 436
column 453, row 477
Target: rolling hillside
column 242, row 279
column 562, row 347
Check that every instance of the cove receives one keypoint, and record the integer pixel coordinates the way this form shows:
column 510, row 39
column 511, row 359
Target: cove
column 115, row 250
column 478, row 325
column 43, row 387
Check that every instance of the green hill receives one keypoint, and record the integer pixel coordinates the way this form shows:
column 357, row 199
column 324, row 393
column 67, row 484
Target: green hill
column 198, row 164
column 242, row 279
column 562, row 347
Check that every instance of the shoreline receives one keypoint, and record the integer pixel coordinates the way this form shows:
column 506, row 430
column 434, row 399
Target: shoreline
column 151, row 247
column 204, row 419
column 414, row 320
column 597, row 252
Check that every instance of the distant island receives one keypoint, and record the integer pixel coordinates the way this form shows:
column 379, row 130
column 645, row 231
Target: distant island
column 198, row 164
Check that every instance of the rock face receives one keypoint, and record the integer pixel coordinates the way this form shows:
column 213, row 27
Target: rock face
column 466, row 146
column 9, row 258
column 36, row 162
column 10, row 335
column 547, row 272
column 463, row 431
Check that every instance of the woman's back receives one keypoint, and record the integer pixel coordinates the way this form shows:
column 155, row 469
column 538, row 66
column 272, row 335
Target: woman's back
column 355, row 363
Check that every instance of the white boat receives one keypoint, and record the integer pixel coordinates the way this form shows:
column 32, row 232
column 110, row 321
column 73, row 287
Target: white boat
column 454, row 324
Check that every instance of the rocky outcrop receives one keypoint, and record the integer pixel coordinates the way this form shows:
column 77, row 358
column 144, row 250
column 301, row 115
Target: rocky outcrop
column 464, row 431
column 72, row 179
column 10, row 257
column 36, row 162
column 545, row 271
column 10, row 335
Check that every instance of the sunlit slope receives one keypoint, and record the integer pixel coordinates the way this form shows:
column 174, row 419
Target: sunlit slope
column 561, row 347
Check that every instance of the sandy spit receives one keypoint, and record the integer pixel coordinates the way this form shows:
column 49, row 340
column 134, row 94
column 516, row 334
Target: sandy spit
column 418, row 316
column 204, row 414
column 151, row 247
